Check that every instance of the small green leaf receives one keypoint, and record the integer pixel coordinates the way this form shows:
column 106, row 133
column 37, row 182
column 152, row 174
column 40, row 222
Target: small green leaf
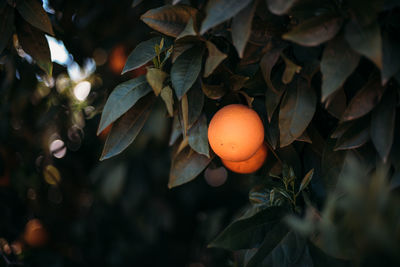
column 315, row 31
column 280, row 7
column 338, row 62
column 247, row 233
column 365, row 100
column 6, row 26
column 215, row 57
column 169, row 20
column 383, row 124
column 296, row 111
column 185, row 70
column 33, row 12
column 122, row 98
column 125, row 129
column 34, row 42
column 306, row 180
column 186, row 166
column 219, row 11
column 290, row 70
column 155, row 77
column 143, row 53
column 198, row 139
column 366, row 40
column 355, row 136
column 168, row 98
column 241, row 28
column 267, row 62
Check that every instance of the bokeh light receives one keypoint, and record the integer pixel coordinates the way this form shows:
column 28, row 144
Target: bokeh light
column 58, row 149
column 82, row 90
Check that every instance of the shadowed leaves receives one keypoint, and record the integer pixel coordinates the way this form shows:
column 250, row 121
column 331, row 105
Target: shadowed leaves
column 215, row 57
column 6, row 25
column 241, row 28
column 198, row 140
column 33, row 12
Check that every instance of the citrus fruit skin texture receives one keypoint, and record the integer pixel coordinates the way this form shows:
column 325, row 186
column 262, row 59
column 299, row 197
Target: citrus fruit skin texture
column 235, row 132
column 250, row 165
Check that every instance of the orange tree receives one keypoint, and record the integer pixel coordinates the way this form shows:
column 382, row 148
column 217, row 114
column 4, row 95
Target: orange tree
column 323, row 77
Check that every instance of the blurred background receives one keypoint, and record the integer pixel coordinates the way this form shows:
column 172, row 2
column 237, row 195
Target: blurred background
column 61, row 206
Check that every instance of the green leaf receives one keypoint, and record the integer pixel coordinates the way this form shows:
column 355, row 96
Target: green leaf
column 198, row 139
column 297, row 110
column 168, row 98
column 35, row 44
column 290, row 69
column 272, row 131
column 189, row 30
column 366, row 40
column 122, row 98
column 338, row 62
column 6, row 26
column 267, row 62
column 280, row 7
column 186, row 166
column 215, row 57
column 383, row 124
column 355, row 136
column 185, row 70
column 125, row 129
column 155, row 78
column 169, row 20
column 214, row 91
column 33, row 12
column 176, row 130
column 306, row 180
column 365, row 100
column 144, row 52
column 219, row 11
column 180, row 47
column 249, row 232
column 195, row 98
column 272, row 101
column 315, row 31
column 241, row 28
column 391, row 56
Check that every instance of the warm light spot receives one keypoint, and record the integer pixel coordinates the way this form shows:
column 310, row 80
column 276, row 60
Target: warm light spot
column 82, row 90
column 100, row 56
column 58, row 149
column 51, row 175
column 35, row 234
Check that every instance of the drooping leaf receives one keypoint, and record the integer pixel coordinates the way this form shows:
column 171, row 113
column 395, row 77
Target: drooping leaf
column 355, row 136
column 241, row 28
column 315, row 31
column 248, row 232
column 185, row 70
column 336, row 103
column 383, row 124
column 296, row 111
column 144, row 52
column 272, row 100
column 214, row 91
column 215, row 57
column 180, row 47
column 267, row 62
column 365, row 100
column 280, row 7
column 366, row 40
column 35, row 44
column 391, row 56
column 155, row 78
column 338, row 62
column 125, row 129
column 186, row 166
column 32, row 11
column 6, row 26
column 189, row 30
column 198, row 139
column 290, row 70
column 195, row 98
column 219, row 11
column 122, row 98
column 168, row 98
column 169, row 19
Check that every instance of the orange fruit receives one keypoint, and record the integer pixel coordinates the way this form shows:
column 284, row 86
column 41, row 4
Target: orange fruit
column 35, row 234
column 235, row 132
column 249, row 165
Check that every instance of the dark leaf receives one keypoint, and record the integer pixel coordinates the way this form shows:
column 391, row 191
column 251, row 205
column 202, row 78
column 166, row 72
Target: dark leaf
column 315, row 31
column 304, row 137
column 185, row 70
column 241, row 28
column 168, row 97
column 35, row 44
column 144, row 52
column 135, row 3
column 237, row 82
column 336, row 103
column 331, row 165
column 125, row 129
column 272, row 100
column 365, row 100
column 176, row 130
column 338, row 62
column 290, row 156
column 290, row 69
column 391, row 56
column 366, row 40
column 296, row 111
column 215, row 57
column 306, row 180
column 214, row 91
column 169, row 20
column 219, row 11
column 195, row 98
column 189, row 30
column 198, row 139
column 355, row 136
column 155, row 78
column 383, row 123
column 280, row 7
column 33, row 12
column 186, row 166
column 184, row 115
column 6, row 26
column 267, row 62
column 249, row 232
column 122, row 98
